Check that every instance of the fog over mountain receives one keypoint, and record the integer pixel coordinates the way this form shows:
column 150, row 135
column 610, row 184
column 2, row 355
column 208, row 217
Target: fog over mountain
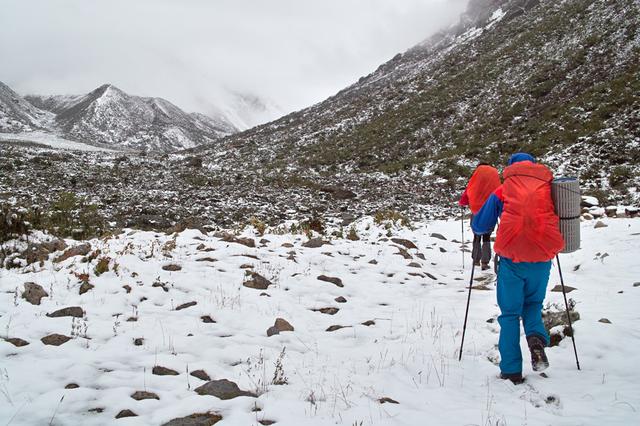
column 279, row 56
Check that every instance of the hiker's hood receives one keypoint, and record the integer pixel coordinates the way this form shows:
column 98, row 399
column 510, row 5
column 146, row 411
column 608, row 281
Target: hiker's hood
column 521, row 156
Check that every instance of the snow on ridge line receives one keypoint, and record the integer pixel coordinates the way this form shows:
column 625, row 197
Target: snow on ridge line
column 51, row 140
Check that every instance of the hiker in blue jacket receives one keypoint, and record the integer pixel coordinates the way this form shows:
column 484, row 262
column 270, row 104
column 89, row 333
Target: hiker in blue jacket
column 527, row 239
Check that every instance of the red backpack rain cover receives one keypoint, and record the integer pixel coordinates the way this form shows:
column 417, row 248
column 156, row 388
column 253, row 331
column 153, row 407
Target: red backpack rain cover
column 483, row 182
column 529, row 228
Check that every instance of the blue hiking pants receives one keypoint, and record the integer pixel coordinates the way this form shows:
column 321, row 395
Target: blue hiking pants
column 521, row 290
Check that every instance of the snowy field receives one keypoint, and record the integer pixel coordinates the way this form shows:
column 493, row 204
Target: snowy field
column 407, row 352
column 50, row 140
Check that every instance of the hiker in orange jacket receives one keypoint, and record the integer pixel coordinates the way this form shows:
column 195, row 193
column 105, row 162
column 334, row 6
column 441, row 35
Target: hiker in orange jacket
column 528, row 239
column 483, row 182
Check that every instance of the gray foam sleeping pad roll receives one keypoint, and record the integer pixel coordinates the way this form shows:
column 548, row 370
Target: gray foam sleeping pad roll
column 566, row 196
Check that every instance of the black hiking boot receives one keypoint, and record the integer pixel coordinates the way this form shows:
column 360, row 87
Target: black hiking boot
column 476, row 263
column 516, row 378
column 485, row 266
column 539, row 360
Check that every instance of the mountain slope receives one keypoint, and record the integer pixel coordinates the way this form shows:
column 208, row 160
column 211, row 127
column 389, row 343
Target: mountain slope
column 17, row 115
column 557, row 78
column 110, row 116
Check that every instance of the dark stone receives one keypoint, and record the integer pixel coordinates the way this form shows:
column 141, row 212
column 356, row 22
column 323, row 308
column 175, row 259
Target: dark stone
column 201, row 374
column 73, row 311
column 80, row 250
column 85, row 287
column 386, row 400
column 332, row 280
column 315, row 243
column 127, row 288
column 558, row 289
column 125, row 413
column 404, row 253
column 369, row 323
column 438, row 236
column 257, row 282
column 442, row 249
column 283, row 325
column 406, row 243
column 172, row 267
column 336, row 327
column 207, row 319
column 272, row 331
column 207, row 259
column 414, row 265
column 230, row 238
column 266, row 422
column 604, row 320
column 55, row 339
column 340, row 299
column 15, row 341
column 373, row 262
column 72, row 386
column 138, row 341
column 198, row 419
column 186, row 305
column 33, row 293
column 222, row 389
column 164, row 371
column 328, row 311
column 142, row 395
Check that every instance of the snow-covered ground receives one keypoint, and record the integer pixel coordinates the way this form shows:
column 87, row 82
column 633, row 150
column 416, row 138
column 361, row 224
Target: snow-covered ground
column 409, row 354
column 51, row 140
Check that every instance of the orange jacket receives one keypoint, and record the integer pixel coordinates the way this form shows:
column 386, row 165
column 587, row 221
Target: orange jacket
column 483, row 182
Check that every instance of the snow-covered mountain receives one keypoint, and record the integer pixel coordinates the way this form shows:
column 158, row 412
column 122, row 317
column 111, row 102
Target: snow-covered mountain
column 18, row 115
column 110, row 116
column 247, row 110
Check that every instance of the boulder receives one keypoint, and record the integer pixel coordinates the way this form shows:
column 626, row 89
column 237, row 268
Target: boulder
column 186, row 305
column 201, row 374
column 142, row 395
column 33, row 293
column 125, row 413
column 79, row 250
column 283, row 325
column 406, row 243
column 15, row 341
column 55, row 339
column 85, row 287
column 164, row 371
column 257, row 282
column 223, row 389
column 197, row 419
column 315, row 243
column 438, row 236
column 332, row 280
column 73, row 311
column 172, row 267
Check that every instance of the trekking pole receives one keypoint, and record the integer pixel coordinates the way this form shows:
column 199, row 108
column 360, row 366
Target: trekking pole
column 566, row 304
column 462, row 224
column 466, row 314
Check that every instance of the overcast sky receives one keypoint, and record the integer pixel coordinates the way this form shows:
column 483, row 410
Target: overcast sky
column 192, row 52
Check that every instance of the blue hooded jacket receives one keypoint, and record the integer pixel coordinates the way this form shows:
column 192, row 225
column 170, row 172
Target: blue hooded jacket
column 487, row 217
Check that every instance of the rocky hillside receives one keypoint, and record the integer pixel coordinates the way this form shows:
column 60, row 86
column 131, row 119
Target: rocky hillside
column 18, row 115
column 110, row 116
column 557, row 78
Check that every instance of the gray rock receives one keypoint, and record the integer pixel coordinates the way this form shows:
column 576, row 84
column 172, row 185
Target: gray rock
column 201, row 374
column 600, row 224
column 340, row 299
column 198, row 419
column 142, row 395
column 15, row 341
column 604, row 320
column 33, row 293
column 80, row 250
column 406, row 243
column 315, row 243
column 172, row 267
column 257, row 282
column 73, row 311
column 164, row 371
column 283, row 325
column 272, row 331
column 125, row 413
column 85, row 287
column 332, row 280
column 55, row 339
column 186, row 305
column 223, row 389
column 438, row 236
column 336, row 327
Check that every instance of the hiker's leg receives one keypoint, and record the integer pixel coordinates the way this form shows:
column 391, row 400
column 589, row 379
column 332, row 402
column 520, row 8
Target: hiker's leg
column 475, row 251
column 486, row 249
column 510, row 300
column 535, row 288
